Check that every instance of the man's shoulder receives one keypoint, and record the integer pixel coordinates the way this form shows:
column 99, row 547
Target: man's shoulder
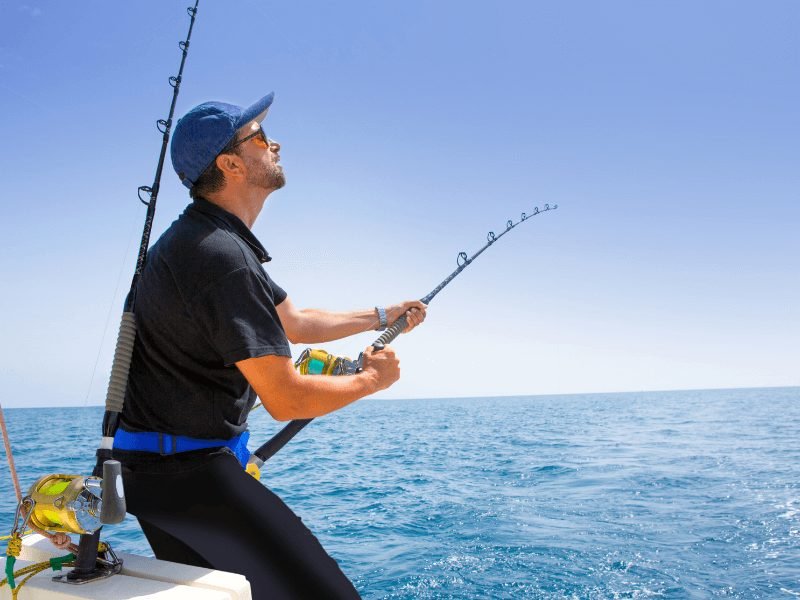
column 200, row 250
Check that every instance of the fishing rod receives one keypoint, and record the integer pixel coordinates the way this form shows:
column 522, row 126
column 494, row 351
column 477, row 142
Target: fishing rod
column 118, row 381
column 87, row 564
column 344, row 366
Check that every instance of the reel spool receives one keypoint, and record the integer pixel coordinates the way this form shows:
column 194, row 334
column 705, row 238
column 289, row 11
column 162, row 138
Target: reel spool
column 315, row 361
column 78, row 504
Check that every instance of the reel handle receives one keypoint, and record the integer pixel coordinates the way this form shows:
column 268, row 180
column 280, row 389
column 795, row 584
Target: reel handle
column 114, row 506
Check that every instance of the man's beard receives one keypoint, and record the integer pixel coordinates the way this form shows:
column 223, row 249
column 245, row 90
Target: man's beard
column 279, row 177
column 270, row 177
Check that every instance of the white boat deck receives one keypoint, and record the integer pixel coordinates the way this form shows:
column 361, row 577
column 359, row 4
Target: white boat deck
column 141, row 578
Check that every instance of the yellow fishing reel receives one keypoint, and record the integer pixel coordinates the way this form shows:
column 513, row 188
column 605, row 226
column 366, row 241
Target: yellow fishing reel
column 66, row 503
column 315, row 361
column 78, row 504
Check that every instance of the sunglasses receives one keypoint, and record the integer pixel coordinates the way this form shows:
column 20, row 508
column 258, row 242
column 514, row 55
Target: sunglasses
column 258, row 136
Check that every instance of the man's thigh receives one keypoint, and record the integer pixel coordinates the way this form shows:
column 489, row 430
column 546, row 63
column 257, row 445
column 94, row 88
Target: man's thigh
column 213, row 512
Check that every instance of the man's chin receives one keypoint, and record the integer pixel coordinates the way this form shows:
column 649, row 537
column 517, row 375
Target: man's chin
column 275, row 183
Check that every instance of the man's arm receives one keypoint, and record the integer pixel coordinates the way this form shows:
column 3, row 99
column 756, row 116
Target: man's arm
column 313, row 326
column 287, row 395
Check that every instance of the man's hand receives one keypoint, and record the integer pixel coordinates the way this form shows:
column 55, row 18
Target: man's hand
column 383, row 366
column 414, row 310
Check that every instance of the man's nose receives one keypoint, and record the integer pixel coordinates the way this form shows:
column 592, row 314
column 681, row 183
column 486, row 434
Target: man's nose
column 274, row 145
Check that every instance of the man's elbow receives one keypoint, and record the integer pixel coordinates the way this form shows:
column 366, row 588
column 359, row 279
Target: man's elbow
column 282, row 408
column 279, row 415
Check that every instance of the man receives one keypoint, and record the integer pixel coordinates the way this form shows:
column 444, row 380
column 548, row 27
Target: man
column 214, row 332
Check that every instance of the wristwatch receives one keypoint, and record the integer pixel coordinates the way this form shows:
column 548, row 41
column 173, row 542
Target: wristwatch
column 382, row 322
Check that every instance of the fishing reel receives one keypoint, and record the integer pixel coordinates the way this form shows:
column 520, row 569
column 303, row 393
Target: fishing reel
column 78, row 504
column 315, row 361
column 67, row 504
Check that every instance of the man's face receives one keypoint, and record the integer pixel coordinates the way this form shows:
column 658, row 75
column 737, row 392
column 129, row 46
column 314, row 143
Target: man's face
column 260, row 156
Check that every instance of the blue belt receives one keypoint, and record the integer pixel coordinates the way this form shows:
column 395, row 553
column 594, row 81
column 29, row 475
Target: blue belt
column 165, row 443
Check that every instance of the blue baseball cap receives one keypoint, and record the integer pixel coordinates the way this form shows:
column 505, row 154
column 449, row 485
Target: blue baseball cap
column 202, row 133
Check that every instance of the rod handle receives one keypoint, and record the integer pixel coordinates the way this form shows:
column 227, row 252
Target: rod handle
column 280, row 439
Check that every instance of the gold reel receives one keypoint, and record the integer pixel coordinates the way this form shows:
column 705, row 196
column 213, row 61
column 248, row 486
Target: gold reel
column 315, row 361
column 78, row 504
column 67, row 503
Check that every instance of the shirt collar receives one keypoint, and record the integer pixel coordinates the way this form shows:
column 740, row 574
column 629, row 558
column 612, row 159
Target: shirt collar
column 233, row 224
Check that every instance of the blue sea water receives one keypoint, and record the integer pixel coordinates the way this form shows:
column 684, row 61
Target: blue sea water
column 690, row 494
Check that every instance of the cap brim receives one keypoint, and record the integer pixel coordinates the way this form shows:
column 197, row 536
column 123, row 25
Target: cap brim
column 256, row 111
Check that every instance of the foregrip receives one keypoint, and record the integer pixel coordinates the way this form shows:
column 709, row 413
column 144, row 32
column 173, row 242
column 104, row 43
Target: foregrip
column 118, row 381
column 392, row 332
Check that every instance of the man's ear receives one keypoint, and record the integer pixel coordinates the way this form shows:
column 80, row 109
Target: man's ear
column 231, row 165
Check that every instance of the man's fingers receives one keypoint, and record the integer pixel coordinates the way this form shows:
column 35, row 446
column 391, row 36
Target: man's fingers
column 387, row 351
column 414, row 312
column 415, row 316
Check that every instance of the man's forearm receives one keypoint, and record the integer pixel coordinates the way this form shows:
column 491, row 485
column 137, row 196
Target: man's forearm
column 312, row 396
column 287, row 394
column 318, row 326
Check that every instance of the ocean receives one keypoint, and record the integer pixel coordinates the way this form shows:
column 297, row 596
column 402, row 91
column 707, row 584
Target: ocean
column 685, row 494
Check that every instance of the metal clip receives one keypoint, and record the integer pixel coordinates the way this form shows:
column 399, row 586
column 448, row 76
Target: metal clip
column 26, row 501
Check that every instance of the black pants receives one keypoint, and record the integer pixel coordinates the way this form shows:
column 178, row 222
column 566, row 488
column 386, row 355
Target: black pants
column 201, row 508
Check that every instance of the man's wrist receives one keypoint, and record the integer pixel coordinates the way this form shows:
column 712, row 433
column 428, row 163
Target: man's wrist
column 382, row 322
column 371, row 380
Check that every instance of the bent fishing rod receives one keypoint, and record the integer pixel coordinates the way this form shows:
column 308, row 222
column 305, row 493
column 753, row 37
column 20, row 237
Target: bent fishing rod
column 342, row 366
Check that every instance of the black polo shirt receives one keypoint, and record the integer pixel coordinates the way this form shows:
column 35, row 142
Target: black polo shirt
column 203, row 302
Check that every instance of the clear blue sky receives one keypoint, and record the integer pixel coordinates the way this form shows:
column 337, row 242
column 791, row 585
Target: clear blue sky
column 667, row 133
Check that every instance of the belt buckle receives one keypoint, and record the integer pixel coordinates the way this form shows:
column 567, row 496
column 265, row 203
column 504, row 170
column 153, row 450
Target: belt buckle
column 173, row 444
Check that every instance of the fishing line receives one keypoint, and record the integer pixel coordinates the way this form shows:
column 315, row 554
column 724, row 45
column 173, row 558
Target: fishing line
column 342, row 366
column 108, row 315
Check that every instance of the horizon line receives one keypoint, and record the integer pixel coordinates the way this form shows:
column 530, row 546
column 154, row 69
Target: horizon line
column 713, row 389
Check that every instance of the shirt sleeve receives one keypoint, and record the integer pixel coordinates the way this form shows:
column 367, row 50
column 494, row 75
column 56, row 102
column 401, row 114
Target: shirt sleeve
column 237, row 315
column 279, row 294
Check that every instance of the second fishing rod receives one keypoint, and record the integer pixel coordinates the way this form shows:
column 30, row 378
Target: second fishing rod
column 314, row 361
